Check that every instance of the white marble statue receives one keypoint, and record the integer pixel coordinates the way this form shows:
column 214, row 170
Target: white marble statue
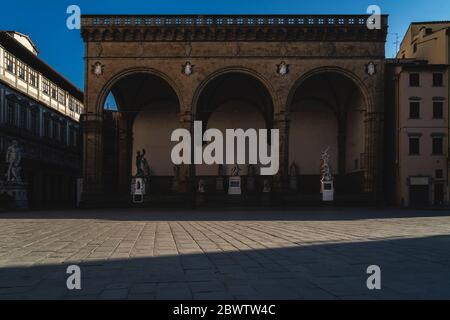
column 325, row 167
column 13, row 160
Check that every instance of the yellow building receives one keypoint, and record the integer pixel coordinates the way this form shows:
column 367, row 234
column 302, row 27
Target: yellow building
column 420, row 92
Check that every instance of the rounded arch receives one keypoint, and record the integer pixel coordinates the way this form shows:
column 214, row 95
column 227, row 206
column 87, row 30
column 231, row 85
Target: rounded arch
column 330, row 69
column 107, row 87
column 236, row 69
column 331, row 104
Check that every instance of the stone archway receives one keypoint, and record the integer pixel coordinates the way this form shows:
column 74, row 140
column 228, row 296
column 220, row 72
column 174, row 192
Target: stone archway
column 214, row 46
column 147, row 112
column 330, row 104
column 233, row 99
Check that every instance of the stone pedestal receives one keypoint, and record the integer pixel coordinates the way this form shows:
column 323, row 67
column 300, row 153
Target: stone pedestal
column 327, row 191
column 18, row 192
column 138, row 190
column 235, row 186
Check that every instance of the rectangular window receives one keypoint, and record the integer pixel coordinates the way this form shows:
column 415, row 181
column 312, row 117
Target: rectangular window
column 438, row 110
column 61, row 97
column 45, row 86
column 71, row 104
column 414, row 80
column 33, row 78
column 438, row 80
column 414, row 146
column 414, row 110
column 9, row 62
column 438, row 145
column 11, row 113
column 21, row 70
column 439, row 174
column 54, row 92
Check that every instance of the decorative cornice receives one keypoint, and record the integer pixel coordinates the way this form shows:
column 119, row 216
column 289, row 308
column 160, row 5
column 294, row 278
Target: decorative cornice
column 231, row 28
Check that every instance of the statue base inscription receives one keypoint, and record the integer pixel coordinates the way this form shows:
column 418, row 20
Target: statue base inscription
column 235, row 186
column 327, row 191
column 138, row 190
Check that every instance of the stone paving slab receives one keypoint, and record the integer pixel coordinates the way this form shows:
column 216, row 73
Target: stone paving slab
column 225, row 254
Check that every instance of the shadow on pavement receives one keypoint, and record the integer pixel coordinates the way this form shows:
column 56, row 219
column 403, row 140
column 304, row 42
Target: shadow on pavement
column 416, row 268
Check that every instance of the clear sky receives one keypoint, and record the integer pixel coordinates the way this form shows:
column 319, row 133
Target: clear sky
column 45, row 21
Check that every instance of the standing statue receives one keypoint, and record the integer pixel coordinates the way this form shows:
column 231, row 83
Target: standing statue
column 325, row 166
column 236, row 171
column 13, row 159
column 140, row 163
column 146, row 168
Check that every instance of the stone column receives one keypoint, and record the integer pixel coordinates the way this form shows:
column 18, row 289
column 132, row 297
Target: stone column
column 281, row 123
column 374, row 154
column 187, row 172
column 92, row 155
column 342, row 144
column 125, row 156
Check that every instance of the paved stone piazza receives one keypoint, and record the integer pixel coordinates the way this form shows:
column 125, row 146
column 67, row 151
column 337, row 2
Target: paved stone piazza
column 225, row 254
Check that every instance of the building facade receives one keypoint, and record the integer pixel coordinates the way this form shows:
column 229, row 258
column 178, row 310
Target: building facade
column 318, row 79
column 419, row 106
column 40, row 110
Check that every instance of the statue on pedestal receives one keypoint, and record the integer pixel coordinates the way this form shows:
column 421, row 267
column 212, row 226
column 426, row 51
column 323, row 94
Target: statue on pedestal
column 327, row 183
column 141, row 163
column 325, row 167
column 235, row 182
column 142, row 172
column 13, row 160
column 14, row 185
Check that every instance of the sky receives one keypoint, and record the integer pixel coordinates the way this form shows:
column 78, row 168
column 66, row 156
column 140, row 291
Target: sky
column 45, row 21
